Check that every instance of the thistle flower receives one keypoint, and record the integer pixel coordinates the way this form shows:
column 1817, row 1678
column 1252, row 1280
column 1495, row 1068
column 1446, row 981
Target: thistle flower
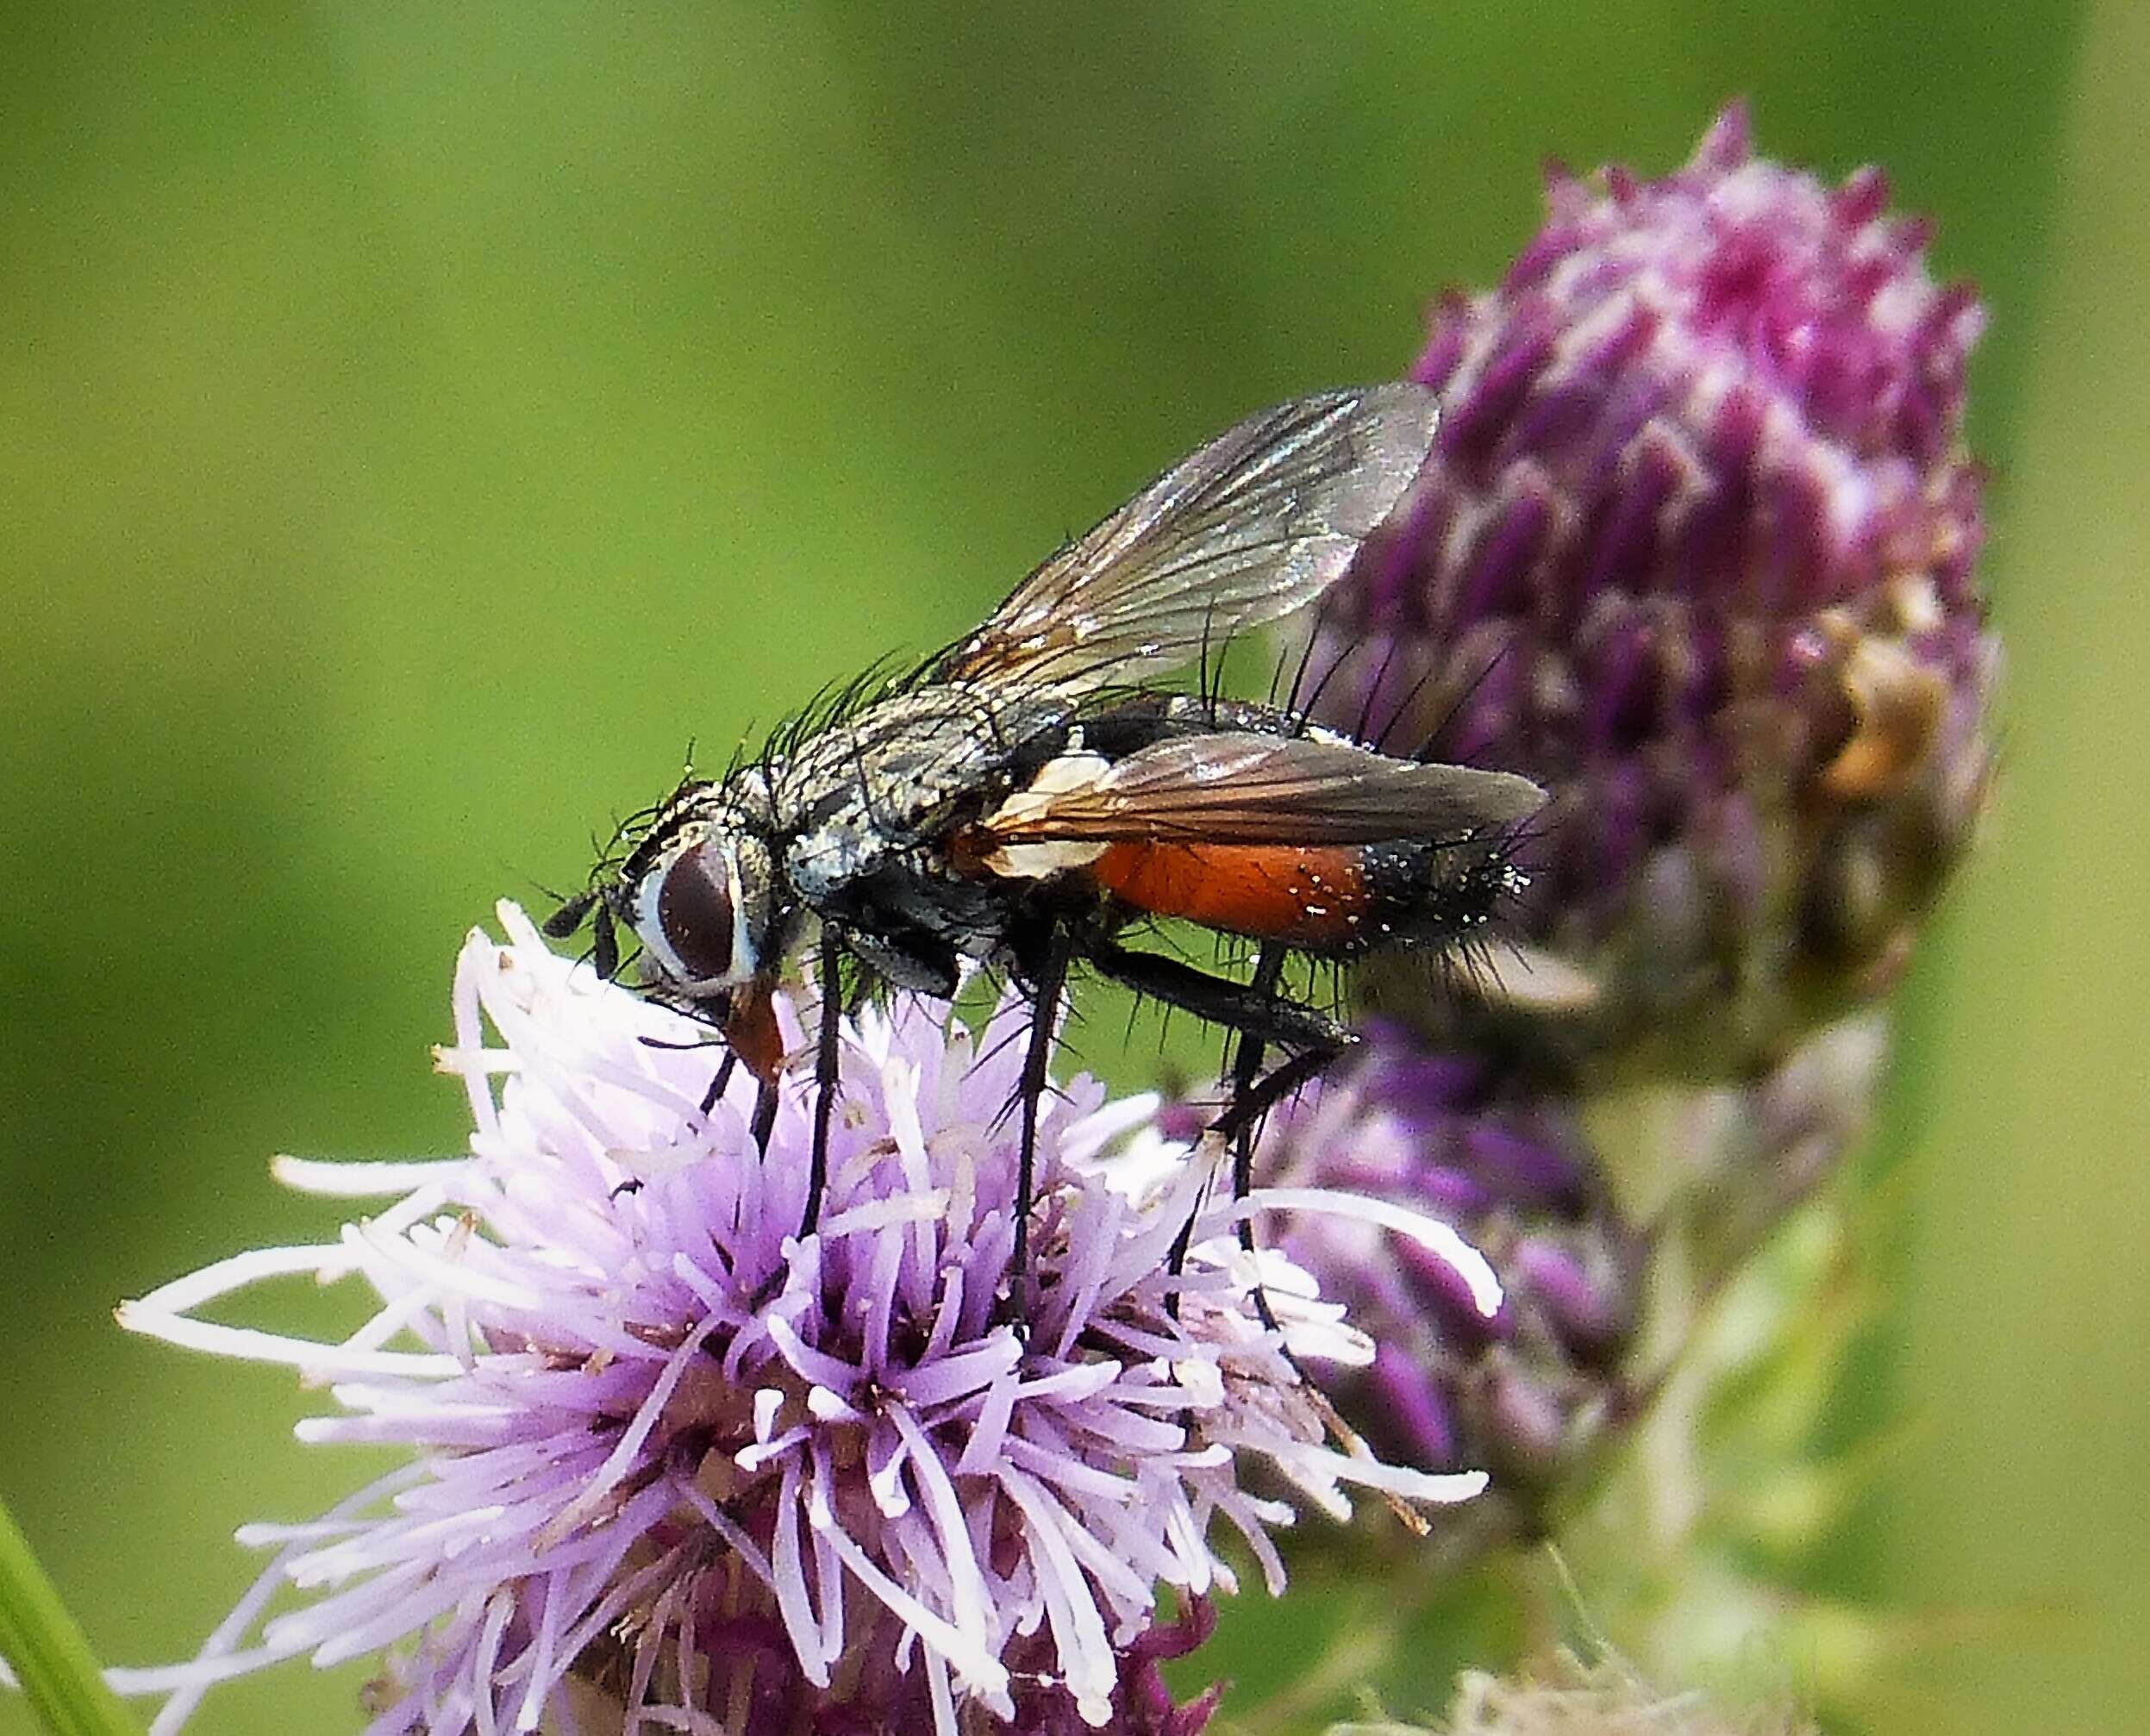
column 1694, row 551
column 1534, row 1390
column 676, row 1468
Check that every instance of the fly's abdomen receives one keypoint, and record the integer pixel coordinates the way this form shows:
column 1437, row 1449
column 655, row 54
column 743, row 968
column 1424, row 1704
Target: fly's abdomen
column 1331, row 900
column 1315, row 899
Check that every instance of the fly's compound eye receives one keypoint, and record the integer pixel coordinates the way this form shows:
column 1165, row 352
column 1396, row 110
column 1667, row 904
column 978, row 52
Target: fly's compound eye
column 690, row 917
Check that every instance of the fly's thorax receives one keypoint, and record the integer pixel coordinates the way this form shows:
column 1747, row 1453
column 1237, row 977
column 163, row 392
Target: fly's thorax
column 880, row 791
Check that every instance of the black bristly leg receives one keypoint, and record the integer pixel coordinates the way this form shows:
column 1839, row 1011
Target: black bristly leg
column 826, row 1055
column 1051, row 978
column 1176, row 1259
column 1245, row 1067
column 1261, row 1016
column 1239, row 1119
column 765, row 1121
column 715, row 1095
column 1237, row 1006
column 1287, row 1076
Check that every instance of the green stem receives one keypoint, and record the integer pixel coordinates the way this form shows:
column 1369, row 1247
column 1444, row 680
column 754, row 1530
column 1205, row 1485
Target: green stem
column 50, row 1655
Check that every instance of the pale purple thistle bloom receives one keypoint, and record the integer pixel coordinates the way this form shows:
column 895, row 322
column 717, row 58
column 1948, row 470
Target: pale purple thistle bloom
column 677, row 1469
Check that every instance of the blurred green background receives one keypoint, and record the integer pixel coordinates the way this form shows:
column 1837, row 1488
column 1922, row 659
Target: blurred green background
column 417, row 423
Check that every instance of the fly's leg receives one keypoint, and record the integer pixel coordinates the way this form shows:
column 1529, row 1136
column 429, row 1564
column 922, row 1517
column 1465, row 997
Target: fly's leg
column 1050, row 978
column 1273, row 1018
column 715, row 1095
column 1315, row 1041
column 1244, row 1113
column 1245, row 1067
column 1262, row 1017
column 826, row 1055
column 765, row 1118
column 1301, row 1071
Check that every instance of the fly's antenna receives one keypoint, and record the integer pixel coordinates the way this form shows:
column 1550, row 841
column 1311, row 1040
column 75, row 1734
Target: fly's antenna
column 604, row 941
column 592, row 907
column 571, row 915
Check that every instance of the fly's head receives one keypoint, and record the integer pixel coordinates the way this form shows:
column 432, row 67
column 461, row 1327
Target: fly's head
column 694, row 885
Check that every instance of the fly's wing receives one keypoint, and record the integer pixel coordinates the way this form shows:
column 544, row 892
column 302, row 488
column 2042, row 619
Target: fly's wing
column 1249, row 527
column 1236, row 788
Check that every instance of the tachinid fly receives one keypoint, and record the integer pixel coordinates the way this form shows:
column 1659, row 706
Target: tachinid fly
column 1023, row 797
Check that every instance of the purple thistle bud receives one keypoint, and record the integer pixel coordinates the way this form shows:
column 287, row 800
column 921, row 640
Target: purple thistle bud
column 1542, row 1391
column 675, row 1467
column 1694, row 551
column 1745, row 1155
column 1532, row 1391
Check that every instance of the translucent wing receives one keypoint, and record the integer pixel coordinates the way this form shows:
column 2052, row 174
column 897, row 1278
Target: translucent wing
column 1249, row 527
column 1240, row 788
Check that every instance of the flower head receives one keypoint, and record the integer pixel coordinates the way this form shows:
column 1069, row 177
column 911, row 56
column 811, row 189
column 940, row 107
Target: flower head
column 1694, row 551
column 676, row 1467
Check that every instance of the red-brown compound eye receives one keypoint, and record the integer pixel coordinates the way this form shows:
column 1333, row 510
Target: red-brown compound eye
column 698, row 913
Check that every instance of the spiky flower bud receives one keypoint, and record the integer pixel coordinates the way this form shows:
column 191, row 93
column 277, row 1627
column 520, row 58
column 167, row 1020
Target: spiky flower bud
column 1529, row 1392
column 1694, row 551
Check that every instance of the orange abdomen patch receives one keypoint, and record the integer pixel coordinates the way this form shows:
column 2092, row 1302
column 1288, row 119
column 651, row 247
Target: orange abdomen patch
column 1267, row 891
